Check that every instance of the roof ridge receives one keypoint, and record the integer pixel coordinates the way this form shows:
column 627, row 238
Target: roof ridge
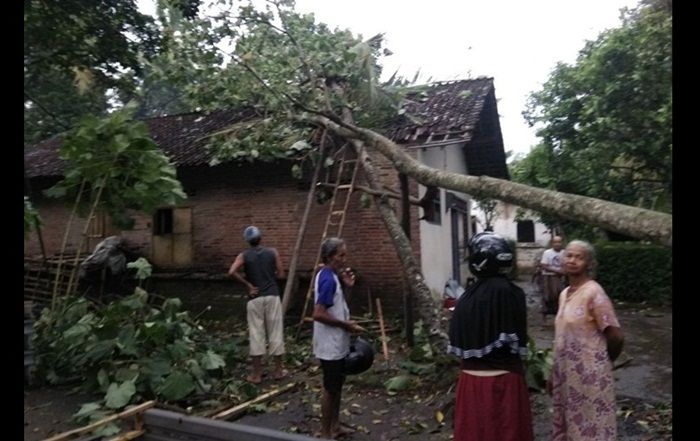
column 462, row 80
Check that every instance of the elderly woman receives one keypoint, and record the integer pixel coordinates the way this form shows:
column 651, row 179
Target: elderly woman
column 587, row 339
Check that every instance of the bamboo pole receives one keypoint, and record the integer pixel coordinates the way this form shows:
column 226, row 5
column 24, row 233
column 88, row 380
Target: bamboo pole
column 86, row 230
column 236, row 410
column 369, row 301
column 381, row 328
column 291, row 275
column 54, row 295
column 89, row 428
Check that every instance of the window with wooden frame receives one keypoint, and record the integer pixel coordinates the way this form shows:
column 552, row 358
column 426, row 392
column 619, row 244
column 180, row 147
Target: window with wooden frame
column 163, row 222
column 171, row 244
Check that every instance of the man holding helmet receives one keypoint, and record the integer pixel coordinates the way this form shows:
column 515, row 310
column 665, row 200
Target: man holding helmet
column 332, row 328
column 488, row 332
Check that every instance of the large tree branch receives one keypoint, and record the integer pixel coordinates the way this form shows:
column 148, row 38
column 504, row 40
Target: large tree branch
column 636, row 222
column 46, row 111
column 426, row 304
column 379, row 193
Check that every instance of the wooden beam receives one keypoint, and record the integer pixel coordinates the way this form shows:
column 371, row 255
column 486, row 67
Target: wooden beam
column 237, row 410
column 89, row 428
column 381, row 327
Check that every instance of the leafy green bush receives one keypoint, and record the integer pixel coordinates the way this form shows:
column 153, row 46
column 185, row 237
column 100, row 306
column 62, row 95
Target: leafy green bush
column 31, row 217
column 128, row 349
column 538, row 364
column 635, row 272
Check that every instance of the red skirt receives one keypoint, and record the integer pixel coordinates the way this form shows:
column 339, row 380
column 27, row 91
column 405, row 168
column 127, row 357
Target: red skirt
column 492, row 408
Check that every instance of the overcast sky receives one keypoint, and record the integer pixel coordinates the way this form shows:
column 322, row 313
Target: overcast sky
column 517, row 42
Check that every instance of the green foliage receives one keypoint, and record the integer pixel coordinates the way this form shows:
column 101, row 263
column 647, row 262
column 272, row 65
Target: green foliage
column 282, row 67
column 365, row 200
column 129, row 350
column 115, row 154
column 74, row 52
column 31, row 217
column 635, row 272
column 538, row 365
column 490, row 209
column 417, row 368
column 82, row 58
column 398, row 384
column 143, row 268
column 605, row 121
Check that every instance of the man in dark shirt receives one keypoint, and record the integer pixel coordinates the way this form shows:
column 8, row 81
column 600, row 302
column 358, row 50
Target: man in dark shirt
column 262, row 266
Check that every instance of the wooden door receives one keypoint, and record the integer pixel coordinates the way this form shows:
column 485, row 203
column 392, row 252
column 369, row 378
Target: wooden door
column 172, row 237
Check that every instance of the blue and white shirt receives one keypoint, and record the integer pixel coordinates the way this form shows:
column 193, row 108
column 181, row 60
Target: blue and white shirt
column 330, row 342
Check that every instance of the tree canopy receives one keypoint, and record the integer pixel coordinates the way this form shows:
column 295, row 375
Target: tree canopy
column 79, row 57
column 606, row 120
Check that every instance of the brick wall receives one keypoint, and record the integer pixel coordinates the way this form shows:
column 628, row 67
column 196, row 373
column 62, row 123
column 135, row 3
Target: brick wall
column 225, row 199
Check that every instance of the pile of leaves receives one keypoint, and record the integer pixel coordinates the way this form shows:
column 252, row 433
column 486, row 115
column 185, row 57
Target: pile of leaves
column 645, row 420
column 130, row 351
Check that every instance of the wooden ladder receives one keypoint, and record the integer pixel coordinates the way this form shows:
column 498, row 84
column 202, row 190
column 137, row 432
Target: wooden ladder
column 335, row 221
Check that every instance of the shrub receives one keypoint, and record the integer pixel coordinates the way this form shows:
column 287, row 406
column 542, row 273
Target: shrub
column 635, row 272
column 538, row 366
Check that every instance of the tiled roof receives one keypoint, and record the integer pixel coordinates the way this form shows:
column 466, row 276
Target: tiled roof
column 446, row 107
column 442, row 108
column 182, row 138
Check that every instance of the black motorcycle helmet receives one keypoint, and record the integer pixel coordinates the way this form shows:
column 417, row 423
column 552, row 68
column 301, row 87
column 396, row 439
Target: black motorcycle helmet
column 489, row 254
column 360, row 358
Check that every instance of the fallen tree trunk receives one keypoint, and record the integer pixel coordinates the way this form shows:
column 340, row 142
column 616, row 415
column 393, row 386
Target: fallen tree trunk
column 636, row 222
column 426, row 304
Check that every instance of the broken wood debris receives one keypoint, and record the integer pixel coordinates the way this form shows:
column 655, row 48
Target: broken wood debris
column 90, row 427
column 240, row 408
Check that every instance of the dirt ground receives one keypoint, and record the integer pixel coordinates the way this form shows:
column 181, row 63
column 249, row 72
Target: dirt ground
column 424, row 412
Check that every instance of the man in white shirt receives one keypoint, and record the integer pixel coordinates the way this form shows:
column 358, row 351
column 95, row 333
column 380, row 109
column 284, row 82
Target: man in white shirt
column 553, row 278
column 332, row 328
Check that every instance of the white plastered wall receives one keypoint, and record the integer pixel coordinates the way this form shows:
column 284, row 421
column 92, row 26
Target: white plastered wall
column 436, row 240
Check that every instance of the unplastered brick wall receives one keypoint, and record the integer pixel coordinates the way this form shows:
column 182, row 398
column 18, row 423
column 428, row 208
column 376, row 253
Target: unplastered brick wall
column 54, row 215
column 227, row 198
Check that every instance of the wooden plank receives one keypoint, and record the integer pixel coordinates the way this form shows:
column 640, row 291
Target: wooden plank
column 182, row 220
column 237, row 410
column 163, row 425
column 381, row 327
column 182, row 249
column 89, row 428
column 162, row 250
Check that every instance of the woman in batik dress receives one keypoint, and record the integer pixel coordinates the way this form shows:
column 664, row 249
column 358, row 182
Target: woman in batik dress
column 587, row 340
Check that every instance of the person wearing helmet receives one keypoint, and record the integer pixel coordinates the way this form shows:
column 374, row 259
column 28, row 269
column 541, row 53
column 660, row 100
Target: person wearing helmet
column 488, row 332
column 332, row 328
column 262, row 266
